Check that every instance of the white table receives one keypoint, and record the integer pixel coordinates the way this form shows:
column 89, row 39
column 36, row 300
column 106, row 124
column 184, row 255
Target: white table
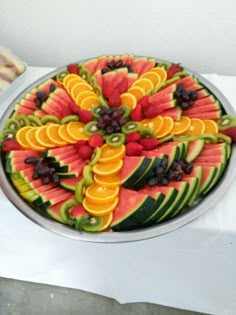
column 191, row 268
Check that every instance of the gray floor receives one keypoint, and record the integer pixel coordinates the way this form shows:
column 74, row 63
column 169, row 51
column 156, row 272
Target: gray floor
column 24, row 298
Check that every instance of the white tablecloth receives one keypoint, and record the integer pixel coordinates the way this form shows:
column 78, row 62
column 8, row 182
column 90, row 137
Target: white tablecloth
column 191, row 268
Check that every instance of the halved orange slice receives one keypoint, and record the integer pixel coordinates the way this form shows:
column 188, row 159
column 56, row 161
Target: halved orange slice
column 152, row 76
column 196, row 128
column 99, row 209
column 101, row 195
column 108, row 181
column 70, row 77
column 82, row 95
column 128, row 99
column 88, row 102
column 181, row 126
column 21, row 137
column 107, row 219
column 144, row 83
column 31, row 139
column 42, row 137
column 137, row 91
column 76, row 130
column 53, row 135
column 107, row 168
column 74, row 82
column 167, row 126
column 111, row 154
column 155, row 124
column 64, row 135
column 161, row 72
column 210, row 126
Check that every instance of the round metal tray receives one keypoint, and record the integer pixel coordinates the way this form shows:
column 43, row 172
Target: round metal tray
column 118, row 237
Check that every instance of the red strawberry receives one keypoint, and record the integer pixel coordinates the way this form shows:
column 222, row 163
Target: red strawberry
column 85, row 116
column 136, row 113
column 85, row 152
column 73, row 68
column 74, row 107
column 151, row 111
column 10, row 144
column 133, row 137
column 134, row 149
column 80, row 143
column 96, row 140
column 149, row 143
column 144, row 101
column 174, row 68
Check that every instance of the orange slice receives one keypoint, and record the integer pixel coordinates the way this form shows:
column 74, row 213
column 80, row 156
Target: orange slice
column 31, row 139
column 144, row 83
column 155, row 124
column 167, row 127
column 76, row 130
column 70, row 77
column 110, row 154
column 99, row 209
column 82, row 95
column 196, row 128
column 210, row 126
column 108, row 181
column 107, row 219
column 88, row 102
column 73, row 82
column 53, row 135
column 137, row 91
column 153, row 77
column 107, row 168
column 42, row 137
column 101, row 195
column 161, row 72
column 128, row 99
column 181, row 126
column 64, row 135
column 21, row 137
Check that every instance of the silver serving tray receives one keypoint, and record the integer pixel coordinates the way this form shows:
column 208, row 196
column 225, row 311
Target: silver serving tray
column 118, row 237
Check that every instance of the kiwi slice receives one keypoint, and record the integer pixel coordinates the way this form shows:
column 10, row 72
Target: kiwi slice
column 8, row 134
column 12, row 124
column 147, row 132
column 69, row 118
column 223, row 138
column 95, row 110
column 165, row 64
column 102, row 100
column 22, row 119
column 34, row 121
column 115, row 139
column 60, row 76
column 94, row 224
column 184, row 138
column 96, row 156
column 91, row 128
column 126, row 109
column 130, row 126
column 50, row 119
column 226, row 121
column 167, row 138
column 79, row 191
column 66, row 207
column 208, row 137
column 85, row 73
column 165, row 83
column 87, row 175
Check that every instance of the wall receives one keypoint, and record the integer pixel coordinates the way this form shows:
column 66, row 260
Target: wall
column 200, row 34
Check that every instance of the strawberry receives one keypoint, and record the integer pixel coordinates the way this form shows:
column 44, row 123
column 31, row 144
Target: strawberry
column 10, row 144
column 149, row 143
column 80, row 143
column 96, row 140
column 85, row 116
column 144, row 101
column 133, row 137
column 136, row 113
column 85, row 152
column 74, row 107
column 174, row 68
column 73, row 68
column 134, row 149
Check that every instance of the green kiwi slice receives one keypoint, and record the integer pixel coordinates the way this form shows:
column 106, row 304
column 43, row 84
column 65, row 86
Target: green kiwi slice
column 96, row 109
column 66, row 207
column 184, row 138
column 79, row 191
column 167, row 138
column 8, row 134
column 87, row 175
column 223, row 138
column 208, row 137
column 165, row 65
column 22, row 119
column 147, row 132
column 60, row 76
column 12, row 124
column 126, row 109
column 96, row 156
column 85, row 73
column 50, row 119
column 69, row 118
column 94, row 224
column 34, row 121
column 115, row 139
column 130, row 126
column 226, row 121
column 91, row 128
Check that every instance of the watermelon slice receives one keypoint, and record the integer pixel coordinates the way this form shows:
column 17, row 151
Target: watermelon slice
column 194, row 149
column 175, row 113
column 157, row 99
column 203, row 108
column 214, row 115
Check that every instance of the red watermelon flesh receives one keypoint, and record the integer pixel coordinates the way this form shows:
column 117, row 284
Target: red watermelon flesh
column 130, row 164
column 56, row 151
column 211, row 152
column 16, row 167
column 23, row 110
column 132, row 77
column 201, row 109
column 44, row 87
column 91, row 65
column 210, row 159
column 210, row 146
column 184, row 80
column 70, row 182
column 175, row 113
column 169, row 89
column 63, row 95
column 28, row 104
column 40, row 113
column 214, row 114
column 207, row 171
column 138, row 64
column 101, row 63
column 194, row 87
column 157, row 99
column 230, row 132
column 23, row 154
column 148, row 66
column 202, row 93
column 204, row 101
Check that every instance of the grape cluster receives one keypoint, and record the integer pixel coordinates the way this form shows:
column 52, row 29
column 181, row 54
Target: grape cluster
column 111, row 119
column 42, row 96
column 185, row 98
column 162, row 177
column 43, row 170
column 113, row 65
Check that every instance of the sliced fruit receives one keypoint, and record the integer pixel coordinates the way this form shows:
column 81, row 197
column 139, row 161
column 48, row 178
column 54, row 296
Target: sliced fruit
column 145, row 84
column 137, row 91
column 107, row 168
column 161, row 72
column 108, row 181
column 99, row 209
column 194, row 149
column 196, row 128
column 69, row 77
column 52, row 132
column 110, row 154
column 210, row 126
column 76, row 130
column 31, row 139
column 101, row 195
column 181, row 126
column 21, row 137
column 166, row 128
column 42, row 137
column 153, row 77
column 88, row 102
column 115, row 139
column 64, row 135
column 155, row 124
column 82, row 95
column 107, row 219
column 128, row 99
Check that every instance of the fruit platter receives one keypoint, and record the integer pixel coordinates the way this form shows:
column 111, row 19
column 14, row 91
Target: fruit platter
column 117, row 148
